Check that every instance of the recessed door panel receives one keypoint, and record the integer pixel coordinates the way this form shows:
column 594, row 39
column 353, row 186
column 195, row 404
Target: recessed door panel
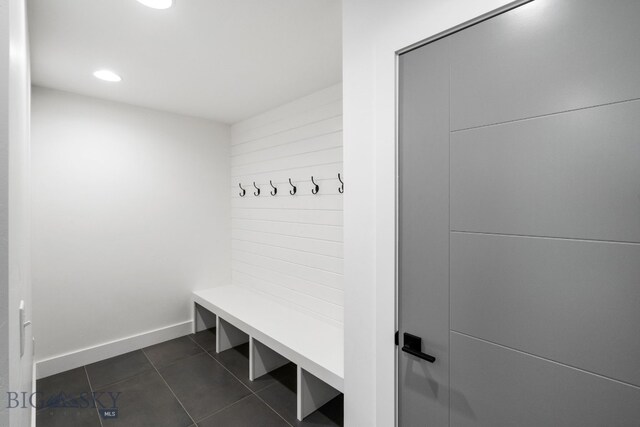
column 572, row 175
column 498, row 387
column 545, row 57
column 575, row 302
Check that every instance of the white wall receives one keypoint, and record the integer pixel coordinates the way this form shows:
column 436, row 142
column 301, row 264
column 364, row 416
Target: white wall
column 130, row 214
column 373, row 30
column 290, row 247
column 15, row 281
column 4, row 207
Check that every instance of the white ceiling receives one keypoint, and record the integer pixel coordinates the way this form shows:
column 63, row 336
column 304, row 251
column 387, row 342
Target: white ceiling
column 225, row 60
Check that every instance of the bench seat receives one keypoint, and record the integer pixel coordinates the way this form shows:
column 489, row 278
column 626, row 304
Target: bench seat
column 314, row 345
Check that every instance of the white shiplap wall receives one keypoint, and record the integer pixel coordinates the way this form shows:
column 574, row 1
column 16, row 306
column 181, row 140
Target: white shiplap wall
column 291, row 247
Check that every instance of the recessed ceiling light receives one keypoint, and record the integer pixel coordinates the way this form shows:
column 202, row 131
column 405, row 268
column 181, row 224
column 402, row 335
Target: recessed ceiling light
column 107, row 76
column 157, row 4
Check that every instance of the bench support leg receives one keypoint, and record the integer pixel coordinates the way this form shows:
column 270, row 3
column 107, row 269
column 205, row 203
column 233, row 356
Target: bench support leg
column 312, row 393
column 202, row 319
column 228, row 336
column 262, row 359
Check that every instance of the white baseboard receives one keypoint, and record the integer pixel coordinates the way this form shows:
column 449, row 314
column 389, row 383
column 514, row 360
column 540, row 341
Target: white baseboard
column 75, row 359
column 33, row 390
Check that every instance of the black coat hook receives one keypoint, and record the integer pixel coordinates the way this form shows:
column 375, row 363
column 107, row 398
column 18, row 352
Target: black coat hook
column 316, row 187
column 341, row 188
column 243, row 192
column 292, row 192
column 275, row 190
column 257, row 192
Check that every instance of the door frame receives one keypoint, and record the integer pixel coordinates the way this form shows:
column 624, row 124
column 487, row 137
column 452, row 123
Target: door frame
column 463, row 26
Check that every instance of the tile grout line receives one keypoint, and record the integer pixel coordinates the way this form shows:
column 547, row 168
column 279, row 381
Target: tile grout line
column 45, row 407
column 269, row 406
column 191, row 338
column 226, row 407
column 205, row 351
column 179, row 360
column 124, row 379
column 198, row 344
column 231, row 373
column 169, row 387
column 84, row 367
column 255, row 393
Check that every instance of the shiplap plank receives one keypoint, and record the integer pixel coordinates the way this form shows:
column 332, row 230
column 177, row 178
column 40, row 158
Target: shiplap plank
column 285, row 151
column 323, row 308
column 322, row 232
column 322, row 247
column 308, row 259
column 319, row 98
column 300, row 160
column 301, row 134
column 300, row 175
column 303, row 118
column 285, row 201
column 307, row 274
column 267, row 273
column 325, row 217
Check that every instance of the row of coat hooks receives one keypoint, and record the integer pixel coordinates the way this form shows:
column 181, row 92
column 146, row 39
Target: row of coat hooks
column 274, row 190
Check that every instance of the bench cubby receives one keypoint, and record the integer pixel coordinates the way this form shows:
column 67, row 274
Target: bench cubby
column 277, row 334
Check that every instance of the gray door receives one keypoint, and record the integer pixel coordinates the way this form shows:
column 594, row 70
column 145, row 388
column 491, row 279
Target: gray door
column 519, row 220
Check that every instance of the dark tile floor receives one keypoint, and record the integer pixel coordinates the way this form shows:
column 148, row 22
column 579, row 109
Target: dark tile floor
column 178, row 383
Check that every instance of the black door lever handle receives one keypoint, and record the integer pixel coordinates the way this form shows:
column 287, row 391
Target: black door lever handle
column 413, row 346
column 429, row 358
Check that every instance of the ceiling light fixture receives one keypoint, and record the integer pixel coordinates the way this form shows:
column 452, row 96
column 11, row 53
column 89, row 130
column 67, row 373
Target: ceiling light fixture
column 107, row 76
column 157, row 4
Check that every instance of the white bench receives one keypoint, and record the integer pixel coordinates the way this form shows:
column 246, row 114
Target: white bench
column 276, row 334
